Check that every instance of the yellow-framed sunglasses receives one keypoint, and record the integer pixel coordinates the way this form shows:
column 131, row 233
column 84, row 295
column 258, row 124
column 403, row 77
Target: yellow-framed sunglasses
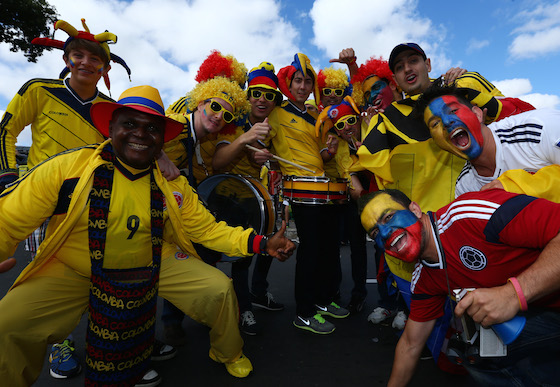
column 268, row 95
column 351, row 120
column 217, row 107
column 328, row 91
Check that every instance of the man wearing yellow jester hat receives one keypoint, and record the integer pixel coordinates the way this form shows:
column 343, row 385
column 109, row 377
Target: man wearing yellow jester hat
column 292, row 135
column 57, row 109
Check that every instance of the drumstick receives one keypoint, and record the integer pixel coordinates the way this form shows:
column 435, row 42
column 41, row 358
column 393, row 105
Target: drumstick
column 281, row 159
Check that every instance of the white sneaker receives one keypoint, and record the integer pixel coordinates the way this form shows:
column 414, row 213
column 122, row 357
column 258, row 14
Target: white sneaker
column 400, row 321
column 380, row 314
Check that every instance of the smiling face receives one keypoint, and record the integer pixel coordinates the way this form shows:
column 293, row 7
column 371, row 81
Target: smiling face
column 213, row 122
column 260, row 107
column 301, row 87
column 394, row 228
column 377, row 93
column 411, row 72
column 137, row 136
column 334, row 97
column 351, row 126
column 85, row 67
column 454, row 126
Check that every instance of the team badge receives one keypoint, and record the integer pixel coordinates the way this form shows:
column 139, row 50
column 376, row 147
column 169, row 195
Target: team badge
column 333, row 113
column 180, row 256
column 179, row 198
column 472, row 258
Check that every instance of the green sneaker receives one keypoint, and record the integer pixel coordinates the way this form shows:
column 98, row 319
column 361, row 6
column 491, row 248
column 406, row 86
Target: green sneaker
column 315, row 324
column 333, row 310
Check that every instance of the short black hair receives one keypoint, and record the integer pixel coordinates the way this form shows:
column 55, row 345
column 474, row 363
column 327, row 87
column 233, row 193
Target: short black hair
column 395, row 194
column 437, row 90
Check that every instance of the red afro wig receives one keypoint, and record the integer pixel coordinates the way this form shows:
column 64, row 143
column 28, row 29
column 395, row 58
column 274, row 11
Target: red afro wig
column 374, row 66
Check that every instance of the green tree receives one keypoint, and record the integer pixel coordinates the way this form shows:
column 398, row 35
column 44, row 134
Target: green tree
column 23, row 20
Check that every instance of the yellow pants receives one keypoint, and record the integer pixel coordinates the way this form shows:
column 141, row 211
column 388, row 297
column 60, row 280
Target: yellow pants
column 46, row 308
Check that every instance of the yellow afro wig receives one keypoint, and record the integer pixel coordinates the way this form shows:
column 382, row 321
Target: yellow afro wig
column 220, row 87
column 333, row 78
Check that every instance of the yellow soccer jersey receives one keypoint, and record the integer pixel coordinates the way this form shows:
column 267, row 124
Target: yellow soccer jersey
column 59, row 120
column 202, row 150
column 292, row 135
column 242, row 165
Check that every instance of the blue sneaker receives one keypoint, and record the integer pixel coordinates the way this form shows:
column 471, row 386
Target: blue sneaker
column 64, row 364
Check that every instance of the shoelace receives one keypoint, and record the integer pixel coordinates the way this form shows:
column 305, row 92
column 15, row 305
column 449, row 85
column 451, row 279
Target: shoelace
column 248, row 317
column 269, row 298
column 65, row 351
column 319, row 318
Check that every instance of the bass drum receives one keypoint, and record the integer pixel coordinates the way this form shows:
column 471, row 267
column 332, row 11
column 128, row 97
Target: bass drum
column 239, row 201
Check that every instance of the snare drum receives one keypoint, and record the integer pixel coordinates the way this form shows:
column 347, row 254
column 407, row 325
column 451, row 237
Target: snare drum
column 239, row 201
column 314, row 189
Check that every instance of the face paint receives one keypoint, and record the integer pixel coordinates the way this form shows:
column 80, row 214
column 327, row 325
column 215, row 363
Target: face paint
column 99, row 68
column 72, row 61
column 393, row 227
column 379, row 94
column 454, row 127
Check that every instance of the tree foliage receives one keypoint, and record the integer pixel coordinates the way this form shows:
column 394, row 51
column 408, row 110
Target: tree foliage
column 23, row 20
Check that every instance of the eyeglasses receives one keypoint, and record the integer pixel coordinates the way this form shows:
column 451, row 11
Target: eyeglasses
column 328, row 91
column 217, row 107
column 342, row 123
column 268, row 95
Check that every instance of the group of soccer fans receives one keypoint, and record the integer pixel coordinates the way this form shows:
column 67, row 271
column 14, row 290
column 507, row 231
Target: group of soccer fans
column 480, row 165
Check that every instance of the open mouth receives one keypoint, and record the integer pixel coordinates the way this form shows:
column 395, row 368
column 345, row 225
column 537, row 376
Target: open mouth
column 397, row 241
column 139, row 147
column 460, row 139
column 411, row 78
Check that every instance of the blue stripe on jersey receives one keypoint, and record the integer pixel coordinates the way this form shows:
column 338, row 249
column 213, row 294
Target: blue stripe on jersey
column 504, row 214
column 517, row 135
column 306, row 116
column 466, row 169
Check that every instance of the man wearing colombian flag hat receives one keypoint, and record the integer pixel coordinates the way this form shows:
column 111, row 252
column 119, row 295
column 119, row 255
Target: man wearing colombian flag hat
column 111, row 212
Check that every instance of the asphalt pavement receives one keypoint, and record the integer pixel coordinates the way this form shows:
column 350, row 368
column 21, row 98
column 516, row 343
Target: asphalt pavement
column 358, row 353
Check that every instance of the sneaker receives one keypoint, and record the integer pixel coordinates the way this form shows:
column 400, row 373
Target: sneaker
column 356, row 306
column 400, row 321
column 64, row 363
column 150, row 379
column 267, row 302
column 240, row 368
column 333, row 310
column 248, row 323
column 162, row 351
column 315, row 324
column 380, row 314
column 175, row 335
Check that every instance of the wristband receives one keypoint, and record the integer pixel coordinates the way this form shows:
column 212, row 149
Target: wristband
column 519, row 292
column 353, row 60
column 262, row 245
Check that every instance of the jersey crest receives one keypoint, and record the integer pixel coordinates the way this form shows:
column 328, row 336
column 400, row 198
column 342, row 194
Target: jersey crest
column 472, row 259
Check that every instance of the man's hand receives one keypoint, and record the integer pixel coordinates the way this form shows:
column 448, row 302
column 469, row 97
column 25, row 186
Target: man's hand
column 452, row 74
column 168, row 169
column 493, row 184
column 258, row 132
column 490, row 306
column 279, row 246
column 7, row 265
column 345, row 56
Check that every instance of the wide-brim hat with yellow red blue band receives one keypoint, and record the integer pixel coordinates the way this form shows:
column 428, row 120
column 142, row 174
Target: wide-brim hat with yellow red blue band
column 145, row 99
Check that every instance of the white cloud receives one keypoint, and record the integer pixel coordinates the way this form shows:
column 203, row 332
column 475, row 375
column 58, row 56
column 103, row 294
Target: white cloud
column 167, row 53
column 514, row 87
column 375, row 27
column 475, row 45
column 538, row 32
column 541, row 101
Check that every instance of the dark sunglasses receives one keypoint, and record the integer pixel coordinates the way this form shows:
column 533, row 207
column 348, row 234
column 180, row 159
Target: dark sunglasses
column 268, row 95
column 328, row 91
column 216, row 107
column 342, row 123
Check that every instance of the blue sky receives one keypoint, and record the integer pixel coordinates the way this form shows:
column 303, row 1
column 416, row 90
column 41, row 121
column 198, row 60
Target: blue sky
column 514, row 43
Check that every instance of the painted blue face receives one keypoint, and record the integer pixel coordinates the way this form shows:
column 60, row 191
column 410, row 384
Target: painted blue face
column 454, row 127
column 401, row 220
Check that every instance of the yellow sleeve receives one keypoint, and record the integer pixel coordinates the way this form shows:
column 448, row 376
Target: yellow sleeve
column 543, row 184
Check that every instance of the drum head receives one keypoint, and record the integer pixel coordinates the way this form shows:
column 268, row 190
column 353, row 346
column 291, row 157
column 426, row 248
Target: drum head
column 233, row 199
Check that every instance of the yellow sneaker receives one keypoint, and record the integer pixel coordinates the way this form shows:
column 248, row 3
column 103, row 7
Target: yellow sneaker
column 240, row 368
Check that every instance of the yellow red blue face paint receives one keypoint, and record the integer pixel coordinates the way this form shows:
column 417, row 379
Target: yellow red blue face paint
column 98, row 67
column 394, row 228
column 454, row 127
column 379, row 94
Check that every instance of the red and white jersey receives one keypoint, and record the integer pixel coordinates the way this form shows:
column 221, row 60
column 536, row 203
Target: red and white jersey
column 483, row 238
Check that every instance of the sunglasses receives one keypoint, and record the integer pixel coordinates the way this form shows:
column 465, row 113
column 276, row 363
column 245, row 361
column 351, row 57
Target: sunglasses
column 217, row 107
column 328, row 91
column 268, row 95
column 342, row 123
